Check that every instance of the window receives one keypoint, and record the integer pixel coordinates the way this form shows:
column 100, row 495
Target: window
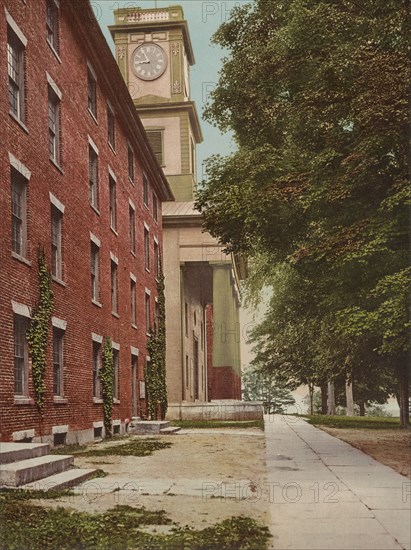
column 58, row 361
column 186, row 318
column 93, row 177
column 116, row 374
column 147, row 248
column 156, row 261
column 145, row 190
column 202, row 335
column 19, row 213
column 96, row 369
column 56, row 242
column 148, row 315
column 92, row 92
column 193, row 156
column 155, row 137
column 15, row 59
column 130, row 164
column 21, row 359
column 133, row 292
column 187, row 371
column 95, row 268
column 132, row 216
column 52, row 24
column 114, row 287
column 155, row 207
column 111, row 127
column 113, row 202
column 54, row 125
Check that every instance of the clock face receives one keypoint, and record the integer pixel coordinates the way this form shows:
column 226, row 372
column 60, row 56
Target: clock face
column 149, row 61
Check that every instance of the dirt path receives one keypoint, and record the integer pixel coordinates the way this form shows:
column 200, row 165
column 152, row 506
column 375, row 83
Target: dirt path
column 390, row 447
column 203, row 478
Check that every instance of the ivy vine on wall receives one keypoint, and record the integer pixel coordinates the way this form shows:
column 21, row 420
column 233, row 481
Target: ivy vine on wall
column 155, row 374
column 107, row 385
column 38, row 332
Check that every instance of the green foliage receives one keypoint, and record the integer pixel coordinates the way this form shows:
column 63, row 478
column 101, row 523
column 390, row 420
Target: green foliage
column 320, row 181
column 107, row 375
column 38, row 333
column 25, row 525
column 355, row 422
column 155, row 375
column 135, row 447
column 262, row 386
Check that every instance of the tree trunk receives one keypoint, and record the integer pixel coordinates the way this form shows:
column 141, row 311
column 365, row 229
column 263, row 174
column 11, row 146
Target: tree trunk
column 349, row 399
column 311, row 391
column 403, row 376
column 362, row 408
column 331, row 399
column 324, row 396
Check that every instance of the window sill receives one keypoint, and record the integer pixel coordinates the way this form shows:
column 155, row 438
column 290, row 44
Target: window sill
column 133, row 253
column 96, row 210
column 94, row 302
column 116, row 401
column 114, row 231
column 148, row 270
column 133, row 326
column 54, row 51
column 112, row 148
column 146, row 205
column 114, row 314
column 58, row 400
column 93, row 116
column 20, row 258
column 97, row 400
column 19, row 122
column 131, row 181
column 56, row 165
column 23, row 400
column 58, row 281
column 148, row 334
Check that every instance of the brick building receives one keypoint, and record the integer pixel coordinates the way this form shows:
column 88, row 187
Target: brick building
column 79, row 181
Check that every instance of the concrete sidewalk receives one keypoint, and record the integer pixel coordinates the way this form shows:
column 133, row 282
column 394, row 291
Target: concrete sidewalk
column 327, row 495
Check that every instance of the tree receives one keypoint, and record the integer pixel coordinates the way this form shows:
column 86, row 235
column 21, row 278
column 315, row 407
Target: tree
column 320, row 181
column 262, row 386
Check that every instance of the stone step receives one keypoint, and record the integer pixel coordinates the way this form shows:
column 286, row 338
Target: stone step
column 22, row 472
column 170, row 430
column 62, row 480
column 12, row 452
column 143, row 427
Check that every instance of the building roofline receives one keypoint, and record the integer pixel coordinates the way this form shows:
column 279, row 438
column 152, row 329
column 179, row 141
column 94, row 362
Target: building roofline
column 108, row 72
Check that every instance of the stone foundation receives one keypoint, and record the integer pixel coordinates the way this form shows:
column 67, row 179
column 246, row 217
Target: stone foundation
column 216, row 410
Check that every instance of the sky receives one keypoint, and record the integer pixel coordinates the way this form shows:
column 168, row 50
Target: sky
column 204, row 17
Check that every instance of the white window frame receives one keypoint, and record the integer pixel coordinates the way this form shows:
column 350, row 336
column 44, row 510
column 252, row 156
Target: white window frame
column 95, row 268
column 93, row 177
column 132, row 224
column 16, row 49
column 53, row 25
column 23, row 356
column 59, row 333
column 112, row 184
column 111, row 126
column 91, row 97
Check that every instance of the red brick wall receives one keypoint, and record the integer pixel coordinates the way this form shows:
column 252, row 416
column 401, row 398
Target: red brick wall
column 19, row 281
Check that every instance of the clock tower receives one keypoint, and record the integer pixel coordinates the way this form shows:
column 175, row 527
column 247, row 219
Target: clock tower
column 154, row 53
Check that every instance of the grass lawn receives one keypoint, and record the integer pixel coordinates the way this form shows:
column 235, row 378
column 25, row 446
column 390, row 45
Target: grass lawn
column 212, row 424
column 355, row 422
column 30, row 527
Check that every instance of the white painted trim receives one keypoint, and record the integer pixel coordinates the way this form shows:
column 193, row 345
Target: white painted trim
column 99, row 424
column 95, row 239
column 15, row 28
column 113, row 258
column 131, row 203
column 110, row 106
column 134, row 351
column 93, row 72
column 19, row 166
column 148, row 291
column 54, row 86
column 148, row 358
column 59, row 323
column 133, row 277
column 21, row 309
column 55, row 202
column 93, row 145
column 112, row 174
column 147, row 227
column 115, row 346
column 96, row 338
column 155, row 240
column 23, row 434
